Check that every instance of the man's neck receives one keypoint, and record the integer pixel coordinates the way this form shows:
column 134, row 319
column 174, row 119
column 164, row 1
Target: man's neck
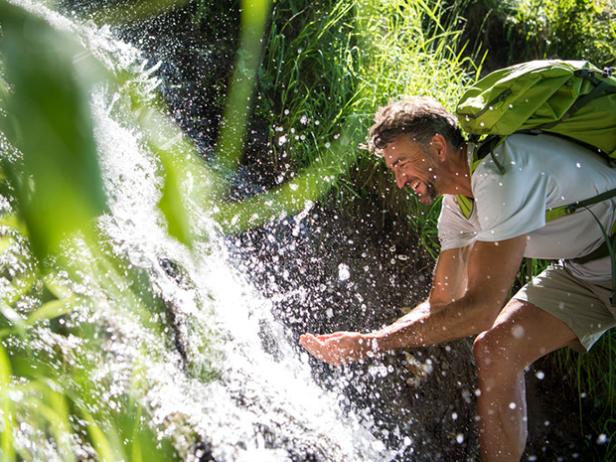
column 459, row 172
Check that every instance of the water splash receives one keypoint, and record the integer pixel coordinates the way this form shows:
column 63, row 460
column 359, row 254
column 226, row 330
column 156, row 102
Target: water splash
column 233, row 381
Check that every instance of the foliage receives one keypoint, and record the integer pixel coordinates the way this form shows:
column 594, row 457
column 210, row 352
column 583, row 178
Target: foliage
column 522, row 30
column 230, row 143
column 59, row 274
column 327, row 67
column 43, row 79
column 55, row 393
column 568, row 29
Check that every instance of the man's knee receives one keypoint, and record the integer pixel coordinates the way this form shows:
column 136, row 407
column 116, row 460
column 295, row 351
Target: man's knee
column 495, row 351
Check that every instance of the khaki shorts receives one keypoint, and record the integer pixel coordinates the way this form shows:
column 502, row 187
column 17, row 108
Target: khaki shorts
column 583, row 306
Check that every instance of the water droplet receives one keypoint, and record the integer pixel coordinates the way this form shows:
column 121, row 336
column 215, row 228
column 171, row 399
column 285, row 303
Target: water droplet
column 343, row 272
column 517, row 332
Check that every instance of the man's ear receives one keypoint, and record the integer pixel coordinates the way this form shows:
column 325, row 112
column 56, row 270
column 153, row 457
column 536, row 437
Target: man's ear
column 440, row 145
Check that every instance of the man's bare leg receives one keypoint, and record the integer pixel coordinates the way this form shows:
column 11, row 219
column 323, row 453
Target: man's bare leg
column 521, row 334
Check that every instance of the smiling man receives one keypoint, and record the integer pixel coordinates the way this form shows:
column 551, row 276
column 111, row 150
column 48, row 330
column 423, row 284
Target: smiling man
column 495, row 211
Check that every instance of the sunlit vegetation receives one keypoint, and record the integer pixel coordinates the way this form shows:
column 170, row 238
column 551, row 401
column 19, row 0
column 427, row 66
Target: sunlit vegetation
column 326, row 68
column 62, row 281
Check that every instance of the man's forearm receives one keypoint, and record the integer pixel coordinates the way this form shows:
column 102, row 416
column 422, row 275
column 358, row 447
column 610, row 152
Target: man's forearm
column 425, row 326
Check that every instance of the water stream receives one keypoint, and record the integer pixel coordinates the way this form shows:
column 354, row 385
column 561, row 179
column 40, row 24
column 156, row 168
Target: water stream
column 233, row 381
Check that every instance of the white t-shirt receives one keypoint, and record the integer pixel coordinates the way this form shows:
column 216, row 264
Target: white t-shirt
column 541, row 172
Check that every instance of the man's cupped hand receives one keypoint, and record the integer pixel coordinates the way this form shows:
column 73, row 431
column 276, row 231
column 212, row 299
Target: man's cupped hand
column 339, row 347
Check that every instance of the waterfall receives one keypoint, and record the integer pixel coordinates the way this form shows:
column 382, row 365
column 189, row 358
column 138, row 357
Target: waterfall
column 228, row 383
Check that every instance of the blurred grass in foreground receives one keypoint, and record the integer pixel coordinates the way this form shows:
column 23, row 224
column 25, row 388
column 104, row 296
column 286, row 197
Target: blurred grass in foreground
column 55, row 265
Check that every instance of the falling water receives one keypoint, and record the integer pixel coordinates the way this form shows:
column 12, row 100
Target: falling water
column 233, row 381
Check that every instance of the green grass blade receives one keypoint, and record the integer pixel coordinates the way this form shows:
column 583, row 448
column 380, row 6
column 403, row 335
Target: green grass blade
column 50, row 310
column 231, row 141
column 49, row 121
column 8, row 416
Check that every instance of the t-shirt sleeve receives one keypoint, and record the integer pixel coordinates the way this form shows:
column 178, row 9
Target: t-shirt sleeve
column 512, row 203
column 454, row 231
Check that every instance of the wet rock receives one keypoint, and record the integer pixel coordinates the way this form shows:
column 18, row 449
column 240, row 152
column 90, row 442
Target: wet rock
column 342, row 272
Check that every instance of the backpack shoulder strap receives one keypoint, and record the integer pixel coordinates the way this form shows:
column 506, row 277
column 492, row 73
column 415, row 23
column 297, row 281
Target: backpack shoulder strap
column 478, row 152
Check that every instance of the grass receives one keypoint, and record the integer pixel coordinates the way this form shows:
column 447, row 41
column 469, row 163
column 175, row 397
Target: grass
column 521, row 30
column 58, row 271
column 320, row 70
column 327, row 66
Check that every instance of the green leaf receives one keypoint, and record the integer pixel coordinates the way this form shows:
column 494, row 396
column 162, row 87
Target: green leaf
column 5, row 243
column 12, row 221
column 15, row 321
column 172, row 202
column 57, row 181
column 58, row 287
column 46, row 399
column 6, row 438
column 51, row 310
column 105, row 443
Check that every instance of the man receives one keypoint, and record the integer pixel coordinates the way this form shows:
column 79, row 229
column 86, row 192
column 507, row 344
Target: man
column 567, row 305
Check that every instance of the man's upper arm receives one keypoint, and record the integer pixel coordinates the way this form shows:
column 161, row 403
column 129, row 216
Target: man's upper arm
column 484, row 271
column 450, row 276
column 492, row 267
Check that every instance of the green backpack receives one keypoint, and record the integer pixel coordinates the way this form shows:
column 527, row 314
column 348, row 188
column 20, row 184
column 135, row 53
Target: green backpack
column 571, row 99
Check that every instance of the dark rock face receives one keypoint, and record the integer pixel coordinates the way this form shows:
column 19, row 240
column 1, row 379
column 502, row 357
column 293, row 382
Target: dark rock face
column 194, row 46
column 332, row 271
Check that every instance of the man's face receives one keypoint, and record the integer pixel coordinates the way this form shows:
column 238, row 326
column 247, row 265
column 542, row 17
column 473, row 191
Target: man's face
column 413, row 168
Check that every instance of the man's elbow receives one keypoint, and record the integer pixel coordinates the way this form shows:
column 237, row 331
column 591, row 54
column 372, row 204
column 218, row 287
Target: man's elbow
column 484, row 309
